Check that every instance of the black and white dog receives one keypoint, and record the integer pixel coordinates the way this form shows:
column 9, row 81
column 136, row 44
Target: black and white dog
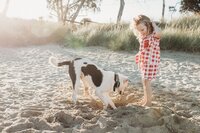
column 92, row 76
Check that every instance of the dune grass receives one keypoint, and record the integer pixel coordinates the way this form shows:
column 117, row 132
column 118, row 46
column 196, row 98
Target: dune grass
column 180, row 40
column 106, row 35
column 182, row 34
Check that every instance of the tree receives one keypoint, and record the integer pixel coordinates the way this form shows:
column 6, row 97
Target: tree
column 68, row 10
column 6, row 8
column 191, row 6
column 74, row 16
column 163, row 12
column 122, row 4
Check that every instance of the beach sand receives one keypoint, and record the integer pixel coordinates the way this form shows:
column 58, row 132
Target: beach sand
column 36, row 97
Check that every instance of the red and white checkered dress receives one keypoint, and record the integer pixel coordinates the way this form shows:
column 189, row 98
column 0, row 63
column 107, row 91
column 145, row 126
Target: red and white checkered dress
column 148, row 57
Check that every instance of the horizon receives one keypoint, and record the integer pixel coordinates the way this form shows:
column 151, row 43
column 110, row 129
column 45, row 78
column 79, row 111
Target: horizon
column 29, row 9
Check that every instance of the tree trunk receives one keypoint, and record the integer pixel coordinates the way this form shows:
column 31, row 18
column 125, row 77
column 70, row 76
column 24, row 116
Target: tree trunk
column 122, row 3
column 6, row 8
column 65, row 12
column 61, row 12
column 58, row 10
column 77, row 11
column 163, row 12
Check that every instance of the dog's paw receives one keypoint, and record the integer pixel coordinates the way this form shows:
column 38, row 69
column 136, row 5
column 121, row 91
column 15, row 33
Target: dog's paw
column 105, row 107
column 114, row 107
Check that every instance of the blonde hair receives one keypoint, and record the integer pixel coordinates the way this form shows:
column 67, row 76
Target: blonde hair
column 142, row 19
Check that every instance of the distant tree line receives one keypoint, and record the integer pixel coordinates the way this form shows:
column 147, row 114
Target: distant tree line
column 69, row 10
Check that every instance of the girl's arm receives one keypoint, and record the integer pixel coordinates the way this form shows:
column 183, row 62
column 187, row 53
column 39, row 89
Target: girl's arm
column 156, row 30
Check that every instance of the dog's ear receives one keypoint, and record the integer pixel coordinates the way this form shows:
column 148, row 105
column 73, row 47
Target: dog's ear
column 116, row 85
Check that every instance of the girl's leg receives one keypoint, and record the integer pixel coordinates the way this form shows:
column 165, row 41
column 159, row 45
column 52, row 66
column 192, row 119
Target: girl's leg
column 147, row 92
column 144, row 98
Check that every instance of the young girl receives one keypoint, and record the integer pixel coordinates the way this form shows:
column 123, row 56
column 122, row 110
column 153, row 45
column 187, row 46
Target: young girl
column 148, row 57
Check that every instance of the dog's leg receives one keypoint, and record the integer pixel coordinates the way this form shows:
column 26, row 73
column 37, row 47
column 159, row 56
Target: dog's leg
column 102, row 98
column 75, row 90
column 74, row 96
column 75, row 78
column 109, row 100
column 86, row 87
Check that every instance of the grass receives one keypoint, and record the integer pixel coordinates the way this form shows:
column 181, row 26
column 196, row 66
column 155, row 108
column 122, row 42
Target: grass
column 180, row 40
column 106, row 35
column 182, row 34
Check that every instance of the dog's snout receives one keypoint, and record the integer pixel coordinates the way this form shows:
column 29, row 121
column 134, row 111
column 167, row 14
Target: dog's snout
column 120, row 92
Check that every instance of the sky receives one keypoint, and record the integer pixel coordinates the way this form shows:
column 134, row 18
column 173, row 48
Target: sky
column 33, row 9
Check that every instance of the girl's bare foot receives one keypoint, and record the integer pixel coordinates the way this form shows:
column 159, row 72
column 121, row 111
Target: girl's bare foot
column 147, row 104
column 144, row 102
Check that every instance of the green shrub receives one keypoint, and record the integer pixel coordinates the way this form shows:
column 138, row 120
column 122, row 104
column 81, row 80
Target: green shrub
column 182, row 34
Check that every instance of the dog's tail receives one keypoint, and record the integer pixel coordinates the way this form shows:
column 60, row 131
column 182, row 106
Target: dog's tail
column 54, row 62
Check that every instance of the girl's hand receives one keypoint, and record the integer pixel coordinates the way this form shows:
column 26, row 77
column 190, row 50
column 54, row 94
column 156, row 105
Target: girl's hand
column 157, row 30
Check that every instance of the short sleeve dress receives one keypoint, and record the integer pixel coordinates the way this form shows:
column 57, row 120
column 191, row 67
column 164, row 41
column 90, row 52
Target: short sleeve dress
column 148, row 57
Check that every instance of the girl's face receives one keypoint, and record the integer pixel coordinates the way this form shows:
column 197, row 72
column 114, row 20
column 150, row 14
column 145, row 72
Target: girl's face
column 142, row 29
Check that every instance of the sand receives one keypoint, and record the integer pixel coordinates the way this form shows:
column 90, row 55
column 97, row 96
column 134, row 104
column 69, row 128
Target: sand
column 36, row 97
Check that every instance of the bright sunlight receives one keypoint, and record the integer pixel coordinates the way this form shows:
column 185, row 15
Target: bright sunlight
column 28, row 9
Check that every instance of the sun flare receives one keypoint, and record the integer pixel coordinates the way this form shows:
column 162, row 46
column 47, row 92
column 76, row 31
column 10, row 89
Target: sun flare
column 28, row 9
